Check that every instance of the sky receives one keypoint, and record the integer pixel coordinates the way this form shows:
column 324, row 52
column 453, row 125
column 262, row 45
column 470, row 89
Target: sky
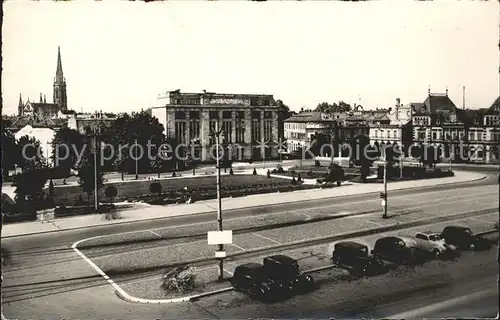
column 118, row 56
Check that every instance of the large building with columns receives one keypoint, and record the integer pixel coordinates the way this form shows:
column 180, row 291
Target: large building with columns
column 249, row 123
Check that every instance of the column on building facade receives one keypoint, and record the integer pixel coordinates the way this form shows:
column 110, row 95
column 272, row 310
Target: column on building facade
column 233, row 127
column 248, row 134
column 275, row 138
column 205, row 134
column 262, row 132
column 170, row 129
column 187, row 133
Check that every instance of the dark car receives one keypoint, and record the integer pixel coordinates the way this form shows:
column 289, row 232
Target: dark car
column 394, row 249
column 253, row 279
column 284, row 270
column 356, row 257
column 463, row 238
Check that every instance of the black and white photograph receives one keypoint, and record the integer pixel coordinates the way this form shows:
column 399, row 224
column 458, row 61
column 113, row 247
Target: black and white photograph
column 250, row 159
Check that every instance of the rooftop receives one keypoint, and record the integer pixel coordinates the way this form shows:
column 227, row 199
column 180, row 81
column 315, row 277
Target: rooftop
column 313, row 116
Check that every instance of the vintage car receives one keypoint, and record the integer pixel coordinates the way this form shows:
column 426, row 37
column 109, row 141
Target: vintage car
column 435, row 239
column 462, row 238
column 284, row 270
column 355, row 256
column 253, row 279
column 404, row 250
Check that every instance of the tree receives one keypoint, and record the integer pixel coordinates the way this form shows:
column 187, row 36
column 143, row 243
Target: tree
column 67, row 144
column 430, row 156
column 155, row 187
column 111, row 192
column 363, row 155
column 128, row 129
column 30, row 155
column 341, row 106
column 336, row 174
column 9, row 152
column 29, row 187
column 86, row 175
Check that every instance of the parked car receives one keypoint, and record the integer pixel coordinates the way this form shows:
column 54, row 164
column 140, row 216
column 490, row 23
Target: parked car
column 284, row 270
column 403, row 250
column 435, row 239
column 253, row 279
column 356, row 257
column 463, row 238
column 423, row 249
column 392, row 249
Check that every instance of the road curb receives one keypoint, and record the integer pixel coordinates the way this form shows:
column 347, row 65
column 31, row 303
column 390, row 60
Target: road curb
column 180, row 215
column 128, row 298
column 258, row 251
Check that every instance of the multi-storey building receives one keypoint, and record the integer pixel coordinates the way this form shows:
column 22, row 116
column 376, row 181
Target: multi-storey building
column 249, row 123
column 459, row 134
column 398, row 131
column 301, row 128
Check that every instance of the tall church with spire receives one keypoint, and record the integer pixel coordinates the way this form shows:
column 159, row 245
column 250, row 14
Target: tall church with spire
column 43, row 110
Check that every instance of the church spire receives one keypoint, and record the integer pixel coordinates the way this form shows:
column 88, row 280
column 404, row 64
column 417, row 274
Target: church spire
column 59, row 71
column 20, row 107
column 60, row 97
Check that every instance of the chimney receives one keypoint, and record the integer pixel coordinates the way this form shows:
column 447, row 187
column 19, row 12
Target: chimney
column 429, row 90
column 446, row 90
column 463, row 97
column 41, row 99
column 44, row 99
column 398, row 102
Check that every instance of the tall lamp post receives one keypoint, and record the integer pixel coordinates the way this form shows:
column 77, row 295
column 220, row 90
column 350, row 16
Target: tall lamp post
column 219, row 202
column 383, row 195
column 96, row 194
column 401, row 153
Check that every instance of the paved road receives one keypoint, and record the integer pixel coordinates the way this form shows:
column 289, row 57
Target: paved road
column 423, row 291
column 47, row 277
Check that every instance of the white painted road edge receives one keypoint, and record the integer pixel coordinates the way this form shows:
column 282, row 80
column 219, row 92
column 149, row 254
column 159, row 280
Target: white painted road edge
column 417, row 313
column 127, row 297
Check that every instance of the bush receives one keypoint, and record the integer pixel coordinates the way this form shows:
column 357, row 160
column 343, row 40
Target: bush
column 231, row 172
column 317, row 163
column 155, row 188
column 281, row 170
column 179, row 279
column 113, row 215
column 111, row 191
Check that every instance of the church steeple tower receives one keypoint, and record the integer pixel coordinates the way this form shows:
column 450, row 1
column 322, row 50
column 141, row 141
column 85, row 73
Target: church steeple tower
column 60, row 97
column 20, row 107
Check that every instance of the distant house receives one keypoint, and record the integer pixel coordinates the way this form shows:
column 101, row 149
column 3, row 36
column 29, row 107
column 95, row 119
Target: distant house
column 301, row 128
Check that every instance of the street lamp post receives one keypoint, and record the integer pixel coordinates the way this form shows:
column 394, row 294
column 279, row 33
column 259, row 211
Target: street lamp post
column 219, row 200
column 384, row 198
column 136, row 164
column 401, row 153
column 96, row 195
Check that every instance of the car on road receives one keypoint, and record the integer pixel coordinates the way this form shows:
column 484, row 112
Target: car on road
column 252, row 278
column 462, row 238
column 285, row 271
column 435, row 239
column 405, row 250
column 355, row 256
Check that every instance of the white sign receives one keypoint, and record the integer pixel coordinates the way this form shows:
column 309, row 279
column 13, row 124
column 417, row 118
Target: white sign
column 220, row 254
column 383, row 203
column 220, row 237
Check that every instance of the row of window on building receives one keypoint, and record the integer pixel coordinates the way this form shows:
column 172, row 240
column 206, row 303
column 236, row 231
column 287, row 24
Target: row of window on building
column 195, row 115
